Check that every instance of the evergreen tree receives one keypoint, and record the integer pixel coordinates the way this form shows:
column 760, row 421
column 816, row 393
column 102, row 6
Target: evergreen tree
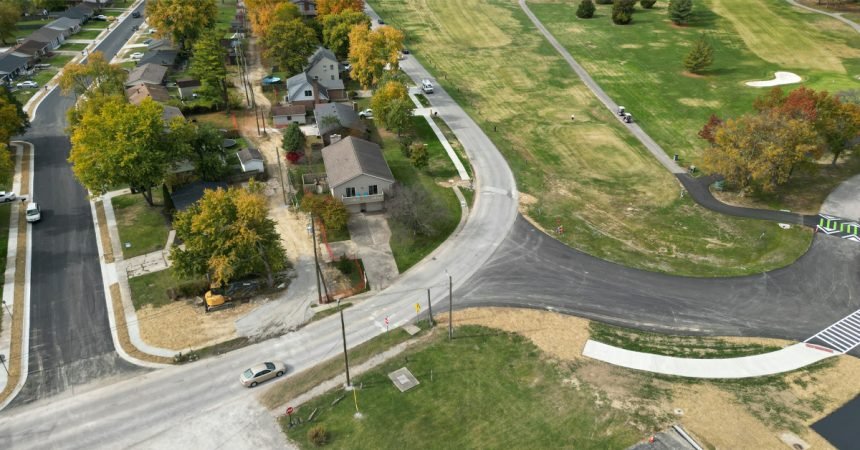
column 585, row 9
column 294, row 139
column 622, row 11
column 680, row 11
column 700, row 57
column 647, row 4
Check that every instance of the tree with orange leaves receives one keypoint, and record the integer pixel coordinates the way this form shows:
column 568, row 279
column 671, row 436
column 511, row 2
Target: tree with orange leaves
column 325, row 7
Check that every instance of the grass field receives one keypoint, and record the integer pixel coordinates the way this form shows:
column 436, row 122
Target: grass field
column 151, row 289
column 613, row 199
column 141, row 225
column 69, row 47
column 485, row 389
column 87, row 34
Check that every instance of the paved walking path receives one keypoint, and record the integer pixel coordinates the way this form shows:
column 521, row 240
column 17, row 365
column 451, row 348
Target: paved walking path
column 790, row 358
column 422, row 111
column 837, row 16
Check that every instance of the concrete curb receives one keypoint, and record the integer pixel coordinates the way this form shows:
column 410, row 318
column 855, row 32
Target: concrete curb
column 786, row 360
column 115, row 273
column 9, row 279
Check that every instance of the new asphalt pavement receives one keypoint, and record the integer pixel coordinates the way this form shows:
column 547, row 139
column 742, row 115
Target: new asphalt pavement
column 70, row 339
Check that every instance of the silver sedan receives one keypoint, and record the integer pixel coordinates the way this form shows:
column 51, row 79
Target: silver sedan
column 262, row 372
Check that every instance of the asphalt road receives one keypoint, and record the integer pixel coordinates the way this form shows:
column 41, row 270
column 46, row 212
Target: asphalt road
column 70, row 338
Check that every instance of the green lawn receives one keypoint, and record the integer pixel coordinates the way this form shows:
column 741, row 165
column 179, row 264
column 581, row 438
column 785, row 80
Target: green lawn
column 87, row 34
column 58, row 60
column 485, row 389
column 25, row 27
column 72, row 47
column 226, row 14
column 408, row 248
column 99, row 24
column 141, row 225
column 151, row 289
column 590, row 175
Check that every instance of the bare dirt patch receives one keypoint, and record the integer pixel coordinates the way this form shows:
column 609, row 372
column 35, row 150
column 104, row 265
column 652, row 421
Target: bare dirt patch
column 713, row 411
column 700, row 103
column 122, row 329
column 182, row 324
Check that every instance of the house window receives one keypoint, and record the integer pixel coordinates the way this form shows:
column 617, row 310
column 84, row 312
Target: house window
column 309, row 94
column 316, row 77
column 331, row 66
column 289, row 117
column 371, row 190
column 332, row 77
column 350, row 192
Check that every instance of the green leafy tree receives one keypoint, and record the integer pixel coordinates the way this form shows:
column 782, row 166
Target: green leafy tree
column 336, row 28
column 398, row 118
column 119, row 143
column 207, row 65
column 385, row 96
column 182, row 20
column 604, row 2
column 330, row 210
column 203, row 145
column 648, row 4
column 585, row 10
column 97, row 76
column 294, row 139
column 228, row 235
column 419, row 156
column 289, row 43
column 9, row 15
column 13, row 119
column 701, row 56
column 622, row 11
column 680, row 11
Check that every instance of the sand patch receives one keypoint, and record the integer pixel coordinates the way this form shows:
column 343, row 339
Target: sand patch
column 182, row 325
column 779, row 78
column 700, row 103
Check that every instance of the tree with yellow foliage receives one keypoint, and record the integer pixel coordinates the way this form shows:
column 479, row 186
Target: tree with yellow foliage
column 97, row 73
column 182, row 20
column 325, row 7
column 371, row 50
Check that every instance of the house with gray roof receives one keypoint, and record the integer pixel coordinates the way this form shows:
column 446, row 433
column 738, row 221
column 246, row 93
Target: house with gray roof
column 81, row 13
column 169, row 113
column 12, row 65
column 146, row 73
column 33, row 49
column 307, row 8
column 54, row 38
column 302, row 90
column 251, row 160
column 357, row 174
column 338, row 117
column 324, row 68
column 163, row 56
column 67, row 25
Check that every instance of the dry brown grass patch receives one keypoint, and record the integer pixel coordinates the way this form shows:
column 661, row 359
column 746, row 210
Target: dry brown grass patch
column 122, row 330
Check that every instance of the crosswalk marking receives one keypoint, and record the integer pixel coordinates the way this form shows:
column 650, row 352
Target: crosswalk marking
column 843, row 335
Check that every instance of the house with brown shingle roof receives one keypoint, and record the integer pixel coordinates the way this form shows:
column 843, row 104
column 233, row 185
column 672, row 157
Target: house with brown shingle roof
column 357, row 174
column 156, row 92
column 283, row 116
column 146, row 73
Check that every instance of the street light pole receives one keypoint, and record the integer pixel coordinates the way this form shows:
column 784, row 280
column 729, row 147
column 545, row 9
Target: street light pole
column 343, row 333
column 281, row 175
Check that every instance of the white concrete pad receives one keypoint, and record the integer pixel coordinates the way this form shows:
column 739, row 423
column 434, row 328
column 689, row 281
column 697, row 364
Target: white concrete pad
column 779, row 78
column 790, row 358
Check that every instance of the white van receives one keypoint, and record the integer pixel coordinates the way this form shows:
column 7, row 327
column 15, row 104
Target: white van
column 426, row 86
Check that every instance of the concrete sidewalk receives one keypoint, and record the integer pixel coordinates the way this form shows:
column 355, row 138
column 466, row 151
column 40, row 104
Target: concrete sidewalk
column 422, row 111
column 790, row 358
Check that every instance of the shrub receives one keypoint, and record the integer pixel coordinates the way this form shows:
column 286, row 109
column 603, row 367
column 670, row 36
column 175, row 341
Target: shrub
column 406, row 144
column 193, row 288
column 345, row 265
column 585, row 9
column 318, row 435
column 700, row 57
column 604, row 2
column 294, row 157
column 680, row 11
column 648, row 4
column 622, row 11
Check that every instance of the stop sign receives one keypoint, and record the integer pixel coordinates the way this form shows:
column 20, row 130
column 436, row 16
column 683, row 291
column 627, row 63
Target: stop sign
column 289, row 410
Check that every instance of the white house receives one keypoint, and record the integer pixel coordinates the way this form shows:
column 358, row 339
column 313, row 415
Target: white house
column 302, row 90
column 357, row 174
column 323, row 68
column 187, row 87
column 283, row 116
column 251, row 160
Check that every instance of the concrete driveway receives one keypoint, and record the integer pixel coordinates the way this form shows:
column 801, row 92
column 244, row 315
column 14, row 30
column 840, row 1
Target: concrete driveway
column 370, row 234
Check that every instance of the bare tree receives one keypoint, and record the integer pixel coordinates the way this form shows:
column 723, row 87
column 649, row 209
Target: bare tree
column 415, row 209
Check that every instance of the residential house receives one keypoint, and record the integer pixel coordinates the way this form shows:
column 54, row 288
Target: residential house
column 251, row 160
column 160, row 44
column 307, row 8
column 12, row 65
column 302, row 90
column 229, row 46
column 136, row 94
column 185, row 196
column 325, row 69
column 283, row 116
column 337, row 117
column 54, row 38
column 146, row 73
column 170, row 112
column 65, row 24
column 33, row 49
column 357, row 174
column 82, row 13
column 163, row 57
column 187, row 87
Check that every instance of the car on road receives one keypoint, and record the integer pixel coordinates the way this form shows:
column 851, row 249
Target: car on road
column 366, row 114
column 135, row 14
column 270, row 80
column 148, row 41
column 135, row 28
column 262, row 372
column 6, row 197
column 136, row 55
column 34, row 213
column 27, row 84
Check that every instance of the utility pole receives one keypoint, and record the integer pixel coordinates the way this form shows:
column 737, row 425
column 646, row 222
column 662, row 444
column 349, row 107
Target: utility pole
column 281, row 174
column 450, row 309
column 316, row 259
column 345, row 356
column 429, row 308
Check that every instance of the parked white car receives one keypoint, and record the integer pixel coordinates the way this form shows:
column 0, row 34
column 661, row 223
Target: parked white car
column 6, row 197
column 34, row 213
column 27, row 85
column 366, row 114
column 136, row 55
